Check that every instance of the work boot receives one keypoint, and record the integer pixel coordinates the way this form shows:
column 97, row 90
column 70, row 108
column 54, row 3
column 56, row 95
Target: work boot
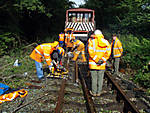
column 92, row 94
column 42, row 79
column 99, row 94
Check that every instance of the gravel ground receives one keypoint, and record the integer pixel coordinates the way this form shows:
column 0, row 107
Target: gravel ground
column 43, row 99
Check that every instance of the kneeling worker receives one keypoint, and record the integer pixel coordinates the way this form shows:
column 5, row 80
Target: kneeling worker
column 56, row 57
column 78, row 47
column 42, row 52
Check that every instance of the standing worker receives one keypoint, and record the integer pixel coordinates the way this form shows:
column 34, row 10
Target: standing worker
column 99, row 51
column 61, row 39
column 68, row 36
column 78, row 47
column 42, row 52
column 116, row 52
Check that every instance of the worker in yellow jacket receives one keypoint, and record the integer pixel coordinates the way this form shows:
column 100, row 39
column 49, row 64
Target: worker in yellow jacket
column 78, row 46
column 61, row 39
column 116, row 52
column 68, row 36
column 42, row 52
column 99, row 51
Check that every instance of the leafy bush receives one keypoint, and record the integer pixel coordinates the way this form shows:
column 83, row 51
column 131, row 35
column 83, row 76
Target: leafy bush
column 7, row 41
column 143, row 79
column 136, row 54
column 136, row 51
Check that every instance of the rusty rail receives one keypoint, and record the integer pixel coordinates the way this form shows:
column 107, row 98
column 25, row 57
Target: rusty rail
column 89, row 101
column 128, row 105
column 60, row 97
column 61, row 93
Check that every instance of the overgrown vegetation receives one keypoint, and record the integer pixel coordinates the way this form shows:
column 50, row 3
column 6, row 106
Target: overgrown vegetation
column 13, row 76
column 7, row 42
column 27, row 21
column 136, row 54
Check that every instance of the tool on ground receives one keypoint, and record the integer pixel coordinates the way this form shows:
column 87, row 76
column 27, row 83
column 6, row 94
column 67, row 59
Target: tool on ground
column 58, row 72
column 70, row 54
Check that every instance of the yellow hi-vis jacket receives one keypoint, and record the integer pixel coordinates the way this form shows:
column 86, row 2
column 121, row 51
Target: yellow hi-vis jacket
column 10, row 96
column 61, row 37
column 43, row 51
column 117, row 49
column 80, row 45
column 99, row 49
column 67, row 40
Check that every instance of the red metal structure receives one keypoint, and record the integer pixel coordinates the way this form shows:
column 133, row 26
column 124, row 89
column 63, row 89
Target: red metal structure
column 81, row 20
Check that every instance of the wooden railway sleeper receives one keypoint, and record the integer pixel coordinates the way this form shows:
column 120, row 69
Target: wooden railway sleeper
column 127, row 108
column 118, row 97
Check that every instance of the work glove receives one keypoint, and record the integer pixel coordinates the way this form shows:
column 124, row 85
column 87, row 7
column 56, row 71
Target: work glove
column 70, row 55
column 50, row 68
column 59, row 66
column 100, row 62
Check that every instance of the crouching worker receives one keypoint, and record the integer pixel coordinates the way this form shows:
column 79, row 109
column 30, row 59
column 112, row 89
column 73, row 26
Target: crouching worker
column 42, row 52
column 58, row 71
column 78, row 47
column 57, row 58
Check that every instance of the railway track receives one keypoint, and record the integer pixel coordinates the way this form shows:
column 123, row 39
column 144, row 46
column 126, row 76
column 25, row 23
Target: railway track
column 64, row 95
column 121, row 99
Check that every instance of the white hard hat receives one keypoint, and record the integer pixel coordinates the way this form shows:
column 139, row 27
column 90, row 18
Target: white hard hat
column 97, row 32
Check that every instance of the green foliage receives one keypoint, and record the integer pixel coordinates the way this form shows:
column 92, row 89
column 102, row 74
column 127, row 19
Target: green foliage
column 33, row 19
column 7, row 41
column 27, row 65
column 136, row 51
column 143, row 79
column 136, row 54
column 127, row 15
column 32, row 5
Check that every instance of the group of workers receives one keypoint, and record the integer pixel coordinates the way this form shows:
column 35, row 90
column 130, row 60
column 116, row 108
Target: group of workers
column 99, row 50
column 53, row 52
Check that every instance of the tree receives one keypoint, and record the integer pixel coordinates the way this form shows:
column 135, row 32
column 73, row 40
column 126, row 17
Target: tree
column 131, row 15
column 33, row 19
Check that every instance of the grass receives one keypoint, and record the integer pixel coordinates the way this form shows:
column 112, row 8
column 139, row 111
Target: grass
column 7, row 70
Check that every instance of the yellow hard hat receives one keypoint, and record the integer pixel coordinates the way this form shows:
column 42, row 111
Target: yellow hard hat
column 68, row 29
column 61, row 51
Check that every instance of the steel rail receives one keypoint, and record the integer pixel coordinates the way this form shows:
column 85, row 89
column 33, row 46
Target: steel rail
column 89, row 101
column 128, row 105
column 61, row 94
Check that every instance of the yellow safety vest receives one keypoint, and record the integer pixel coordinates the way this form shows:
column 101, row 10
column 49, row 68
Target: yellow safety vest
column 79, row 44
column 67, row 40
column 117, row 49
column 99, row 49
column 43, row 51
